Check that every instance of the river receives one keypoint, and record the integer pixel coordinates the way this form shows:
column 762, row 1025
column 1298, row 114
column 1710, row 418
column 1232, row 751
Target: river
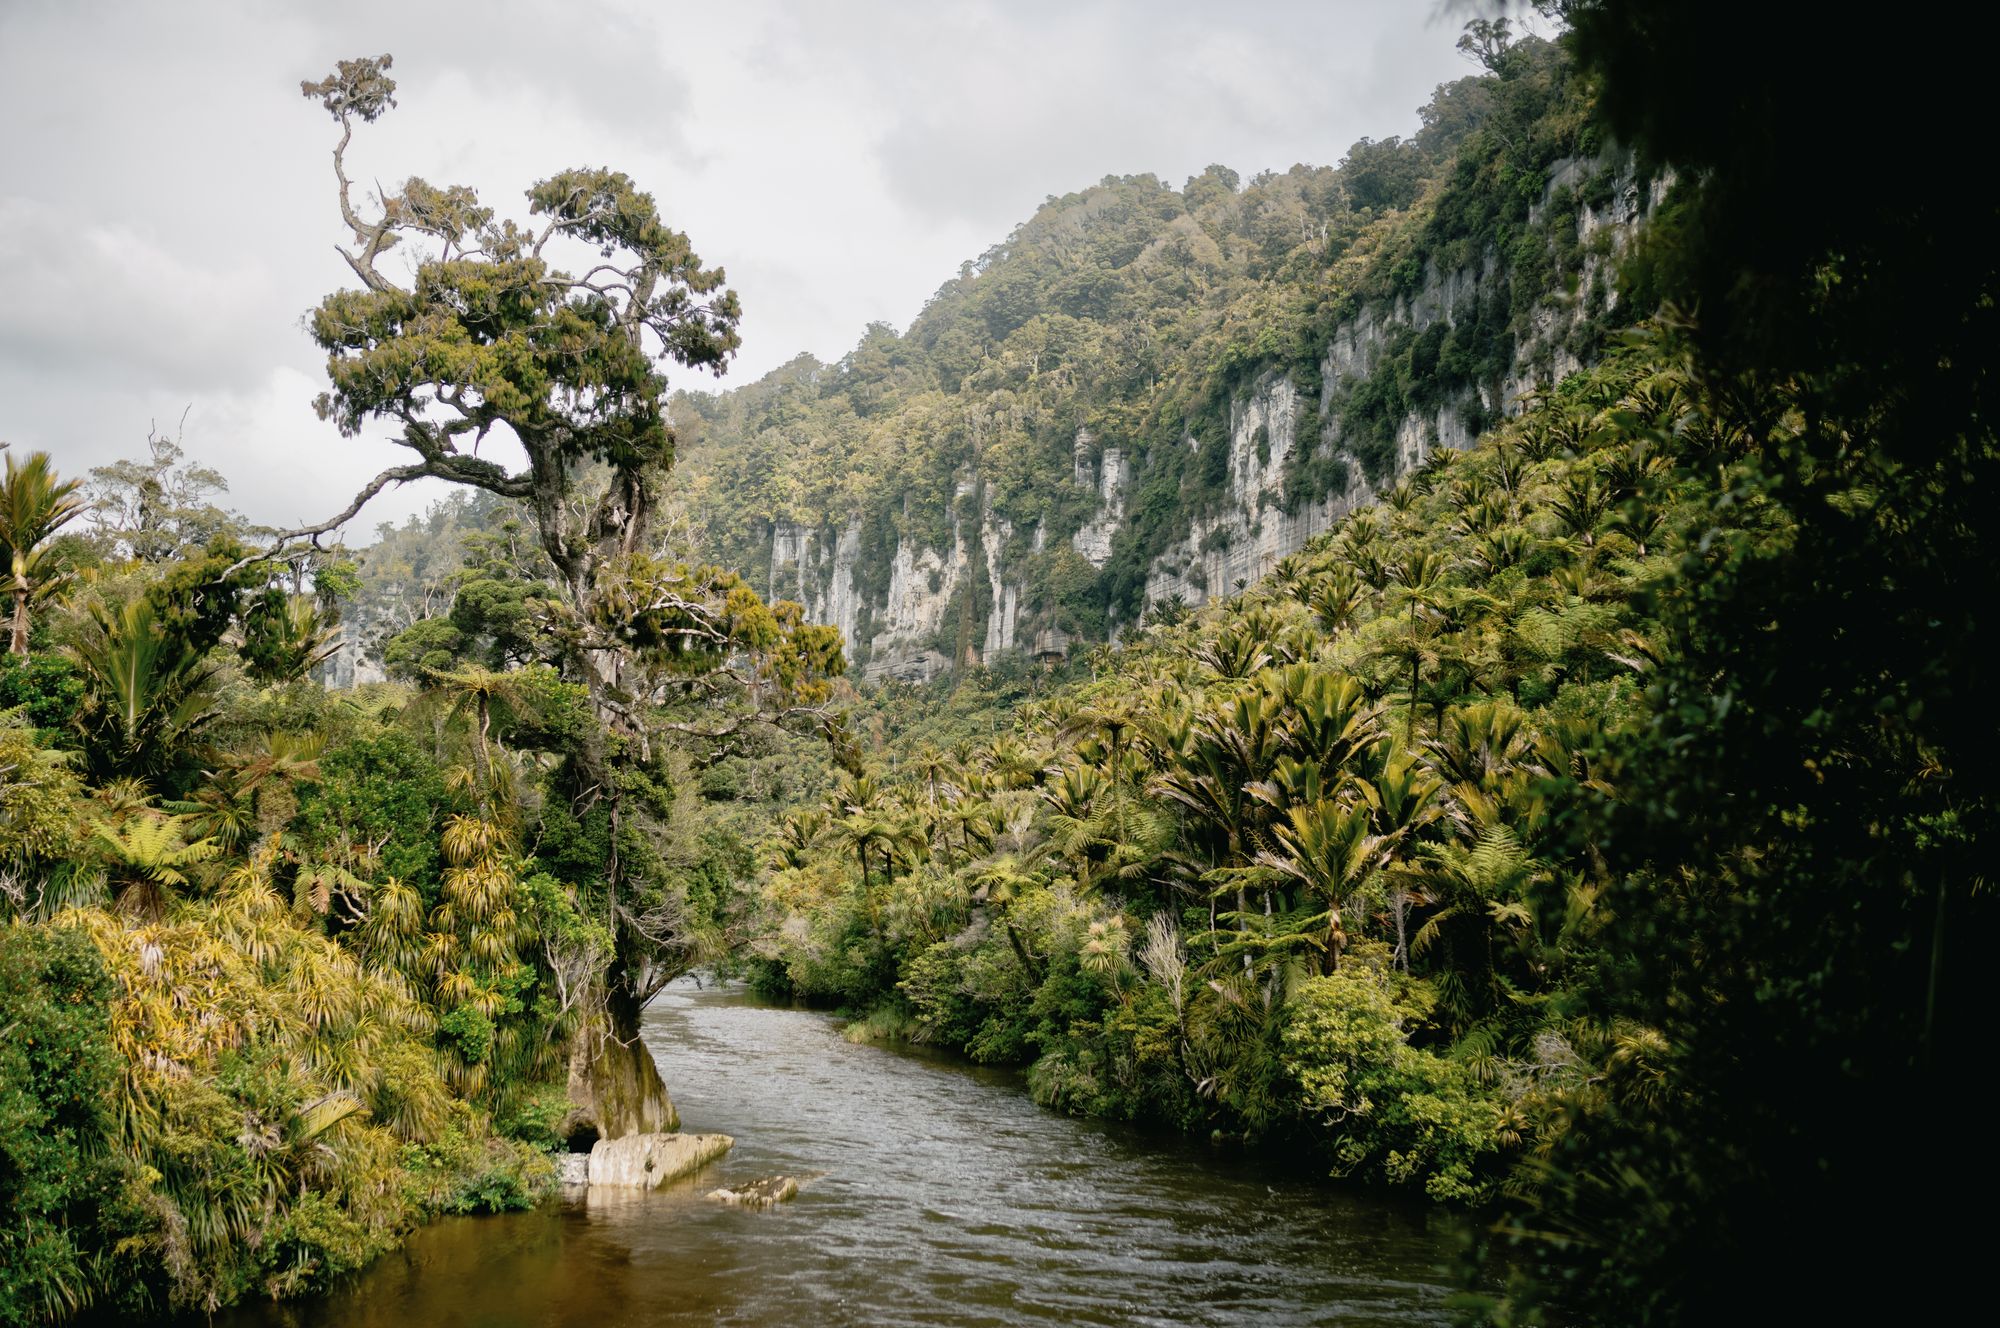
column 947, row 1198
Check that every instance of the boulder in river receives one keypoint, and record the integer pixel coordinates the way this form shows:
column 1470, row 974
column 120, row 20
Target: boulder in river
column 760, row 1193
column 648, row 1161
column 573, row 1169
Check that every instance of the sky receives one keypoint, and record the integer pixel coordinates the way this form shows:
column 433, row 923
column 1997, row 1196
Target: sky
column 167, row 209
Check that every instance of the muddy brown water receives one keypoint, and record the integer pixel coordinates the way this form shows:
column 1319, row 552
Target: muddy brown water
column 948, row 1198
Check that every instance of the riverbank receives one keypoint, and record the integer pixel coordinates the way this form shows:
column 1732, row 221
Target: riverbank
column 948, row 1198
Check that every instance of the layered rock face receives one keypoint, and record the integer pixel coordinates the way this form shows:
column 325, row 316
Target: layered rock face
column 355, row 658
column 1231, row 548
column 818, row 572
column 897, row 625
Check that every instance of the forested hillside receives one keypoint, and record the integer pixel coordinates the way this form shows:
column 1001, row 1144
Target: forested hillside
column 1148, row 394
column 1589, row 827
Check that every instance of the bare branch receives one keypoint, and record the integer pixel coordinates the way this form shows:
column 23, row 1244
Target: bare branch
column 436, row 466
column 372, row 237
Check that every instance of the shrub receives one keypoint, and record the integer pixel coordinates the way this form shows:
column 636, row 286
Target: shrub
column 1121, row 1063
column 934, row 984
column 59, row 1178
column 465, row 1171
column 1397, row 1111
column 381, row 789
column 46, row 687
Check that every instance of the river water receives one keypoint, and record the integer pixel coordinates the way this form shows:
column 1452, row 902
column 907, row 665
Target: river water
column 947, row 1198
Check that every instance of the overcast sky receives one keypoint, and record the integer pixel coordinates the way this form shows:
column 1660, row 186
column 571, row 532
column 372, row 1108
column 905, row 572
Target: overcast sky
column 167, row 214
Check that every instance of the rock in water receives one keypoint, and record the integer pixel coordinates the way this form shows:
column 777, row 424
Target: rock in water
column 648, row 1161
column 760, row 1193
column 573, row 1169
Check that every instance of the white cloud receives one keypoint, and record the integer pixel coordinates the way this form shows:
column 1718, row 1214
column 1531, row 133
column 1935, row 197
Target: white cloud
column 116, row 295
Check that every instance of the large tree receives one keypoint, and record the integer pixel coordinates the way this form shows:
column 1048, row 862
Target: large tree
column 161, row 508
column 547, row 339
column 490, row 339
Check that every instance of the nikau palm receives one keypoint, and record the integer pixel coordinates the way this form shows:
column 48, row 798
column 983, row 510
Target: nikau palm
column 151, row 691
column 34, row 505
column 1330, row 849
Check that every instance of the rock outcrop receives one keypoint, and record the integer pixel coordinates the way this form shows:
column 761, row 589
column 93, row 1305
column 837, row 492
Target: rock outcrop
column 648, row 1161
column 1236, row 546
column 764, row 1192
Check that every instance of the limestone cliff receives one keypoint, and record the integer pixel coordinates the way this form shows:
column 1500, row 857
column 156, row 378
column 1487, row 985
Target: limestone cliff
column 900, row 621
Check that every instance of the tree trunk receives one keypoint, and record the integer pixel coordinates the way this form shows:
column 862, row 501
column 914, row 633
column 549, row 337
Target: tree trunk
column 1021, row 949
column 18, row 640
column 868, row 895
column 1416, row 673
column 484, row 758
column 615, row 1090
column 1399, row 903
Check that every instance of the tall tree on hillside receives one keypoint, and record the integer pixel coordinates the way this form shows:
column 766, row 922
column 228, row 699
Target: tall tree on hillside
column 159, row 508
column 490, row 334
column 34, row 505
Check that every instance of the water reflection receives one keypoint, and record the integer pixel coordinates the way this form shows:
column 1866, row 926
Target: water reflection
column 948, row 1199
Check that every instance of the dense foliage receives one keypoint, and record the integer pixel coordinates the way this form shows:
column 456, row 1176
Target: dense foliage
column 59, row 1188
column 1800, row 896
column 1598, row 823
column 285, row 970
column 235, row 966
column 1299, row 864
